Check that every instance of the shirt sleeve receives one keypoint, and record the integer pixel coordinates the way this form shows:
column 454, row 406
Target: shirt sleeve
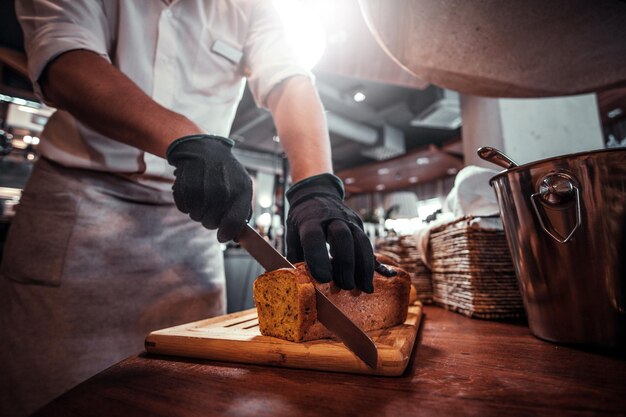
column 269, row 59
column 52, row 27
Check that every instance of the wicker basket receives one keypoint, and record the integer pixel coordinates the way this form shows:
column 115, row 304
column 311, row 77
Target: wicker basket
column 403, row 251
column 472, row 270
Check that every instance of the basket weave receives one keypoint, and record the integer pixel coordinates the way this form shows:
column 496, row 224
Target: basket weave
column 403, row 251
column 472, row 271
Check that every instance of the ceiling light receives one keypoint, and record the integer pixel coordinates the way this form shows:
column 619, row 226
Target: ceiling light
column 27, row 109
column 614, row 113
column 380, row 187
column 35, row 140
column 359, row 96
column 349, row 180
column 413, row 180
column 423, row 160
column 383, row 171
column 18, row 101
column 27, row 139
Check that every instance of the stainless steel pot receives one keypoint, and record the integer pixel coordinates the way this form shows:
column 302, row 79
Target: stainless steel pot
column 565, row 223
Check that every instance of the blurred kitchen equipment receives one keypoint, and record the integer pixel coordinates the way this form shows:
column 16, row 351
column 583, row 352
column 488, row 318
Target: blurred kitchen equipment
column 565, row 222
column 5, row 143
column 401, row 205
column 9, row 198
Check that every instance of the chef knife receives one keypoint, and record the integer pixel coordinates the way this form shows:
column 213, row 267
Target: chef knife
column 327, row 313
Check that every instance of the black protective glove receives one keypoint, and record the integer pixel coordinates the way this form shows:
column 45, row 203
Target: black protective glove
column 211, row 185
column 318, row 214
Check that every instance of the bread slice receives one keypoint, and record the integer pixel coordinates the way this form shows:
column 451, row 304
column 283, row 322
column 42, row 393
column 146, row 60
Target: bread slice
column 285, row 302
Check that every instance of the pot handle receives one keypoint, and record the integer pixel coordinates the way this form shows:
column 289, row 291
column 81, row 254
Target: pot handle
column 557, row 189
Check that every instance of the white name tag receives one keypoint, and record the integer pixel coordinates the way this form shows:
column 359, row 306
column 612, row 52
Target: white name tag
column 231, row 53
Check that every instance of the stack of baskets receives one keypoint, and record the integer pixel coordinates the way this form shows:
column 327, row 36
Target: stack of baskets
column 472, row 270
column 403, row 251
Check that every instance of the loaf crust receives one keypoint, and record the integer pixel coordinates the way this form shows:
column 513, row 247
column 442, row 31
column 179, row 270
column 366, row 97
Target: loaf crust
column 285, row 301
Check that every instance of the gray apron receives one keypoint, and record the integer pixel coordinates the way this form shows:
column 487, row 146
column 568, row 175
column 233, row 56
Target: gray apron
column 93, row 263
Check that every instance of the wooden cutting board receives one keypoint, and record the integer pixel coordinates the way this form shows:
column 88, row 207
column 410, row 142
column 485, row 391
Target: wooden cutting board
column 236, row 338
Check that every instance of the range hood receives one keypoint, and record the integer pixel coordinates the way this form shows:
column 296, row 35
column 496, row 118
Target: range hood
column 380, row 144
column 444, row 112
column 389, row 145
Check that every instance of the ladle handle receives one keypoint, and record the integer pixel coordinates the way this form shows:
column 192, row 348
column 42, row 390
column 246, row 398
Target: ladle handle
column 496, row 157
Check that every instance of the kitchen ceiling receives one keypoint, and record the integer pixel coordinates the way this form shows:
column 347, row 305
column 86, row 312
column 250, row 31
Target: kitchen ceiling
column 379, row 127
column 355, row 127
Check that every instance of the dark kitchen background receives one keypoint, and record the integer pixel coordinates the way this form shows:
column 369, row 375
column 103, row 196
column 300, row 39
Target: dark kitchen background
column 397, row 140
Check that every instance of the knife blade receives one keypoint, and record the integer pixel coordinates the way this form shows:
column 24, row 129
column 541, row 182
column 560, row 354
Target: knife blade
column 328, row 313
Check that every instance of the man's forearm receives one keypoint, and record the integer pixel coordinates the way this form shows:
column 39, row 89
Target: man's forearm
column 301, row 124
column 103, row 98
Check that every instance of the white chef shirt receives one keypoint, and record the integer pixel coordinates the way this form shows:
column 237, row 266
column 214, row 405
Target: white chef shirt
column 190, row 56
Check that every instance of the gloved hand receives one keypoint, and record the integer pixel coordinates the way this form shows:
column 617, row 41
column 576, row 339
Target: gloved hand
column 318, row 214
column 211, row 185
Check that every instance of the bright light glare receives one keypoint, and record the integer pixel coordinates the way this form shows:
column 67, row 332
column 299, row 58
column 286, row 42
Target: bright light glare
column 614, row 113
column 27, row 139
column 358, row 96
column 264, row 220
column 35, row 140
column 404, row 226
column 427, row 207
column 265, row 201
column 27, row 109
column 303, row 28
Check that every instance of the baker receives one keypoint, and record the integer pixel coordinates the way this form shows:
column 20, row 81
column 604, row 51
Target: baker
column 99, row 253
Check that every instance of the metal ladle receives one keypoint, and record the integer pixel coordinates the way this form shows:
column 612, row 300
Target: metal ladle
column 495, row 156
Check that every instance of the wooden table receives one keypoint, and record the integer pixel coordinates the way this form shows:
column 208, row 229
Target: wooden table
column 459, row 367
